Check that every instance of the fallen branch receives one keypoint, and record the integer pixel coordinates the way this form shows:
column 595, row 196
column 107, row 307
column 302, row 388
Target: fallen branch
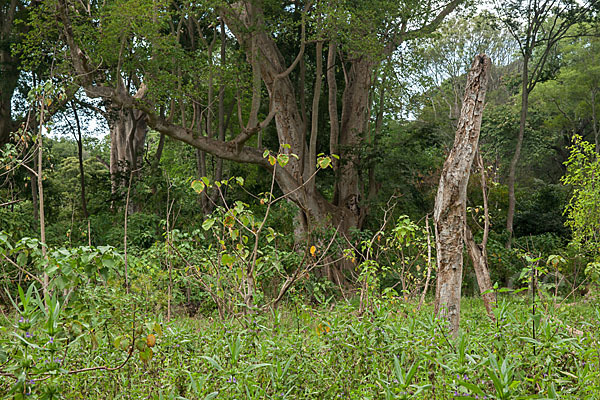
column 23, row 270
column 10, row 203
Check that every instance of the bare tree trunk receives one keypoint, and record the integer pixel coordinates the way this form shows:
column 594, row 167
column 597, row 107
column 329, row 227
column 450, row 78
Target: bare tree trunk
column 334, row 123
column 312, row 148
column 478, row 252
column 354, row 118
column 80, row 158
column 450, row 202
column 40, row 184
column 168, row 253
column 478, row 255
column 515, row 160
column 127, row 136
column 201, row 171
column 6, row 122
column 218, row 171
column 34, row 190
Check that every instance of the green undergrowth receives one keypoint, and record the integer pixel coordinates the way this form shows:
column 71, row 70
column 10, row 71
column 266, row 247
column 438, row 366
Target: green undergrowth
column 394, row 352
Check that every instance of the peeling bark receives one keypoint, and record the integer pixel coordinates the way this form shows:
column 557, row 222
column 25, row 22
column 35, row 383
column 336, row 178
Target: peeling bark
column 478, row 254
column 127, row 137
column 450, row 202
column 334, row 123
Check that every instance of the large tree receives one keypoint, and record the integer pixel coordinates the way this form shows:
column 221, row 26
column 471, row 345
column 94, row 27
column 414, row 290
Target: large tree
column 278, row 41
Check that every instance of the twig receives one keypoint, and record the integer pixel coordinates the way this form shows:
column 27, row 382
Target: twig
column 125, row 230
column 22, row 269
column 445, row 338
column 422, row 300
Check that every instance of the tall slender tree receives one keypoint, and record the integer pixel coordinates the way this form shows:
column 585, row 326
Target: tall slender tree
column 451, row 200
column 537, row 26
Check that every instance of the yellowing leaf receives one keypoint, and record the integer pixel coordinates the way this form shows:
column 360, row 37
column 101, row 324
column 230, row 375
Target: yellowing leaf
column 283, row 159
column 322, row 329
column 227, row 259
column 323, row 162
column 151, row 340
column 198, row 186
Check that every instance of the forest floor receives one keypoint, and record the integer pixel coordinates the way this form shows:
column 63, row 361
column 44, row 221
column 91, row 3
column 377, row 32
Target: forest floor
column 393, row 352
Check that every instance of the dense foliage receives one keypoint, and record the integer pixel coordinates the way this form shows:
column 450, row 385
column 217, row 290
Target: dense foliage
column 234, row 199
column 301, row 352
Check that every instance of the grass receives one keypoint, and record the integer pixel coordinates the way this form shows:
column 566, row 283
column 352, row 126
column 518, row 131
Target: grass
column 311, row 353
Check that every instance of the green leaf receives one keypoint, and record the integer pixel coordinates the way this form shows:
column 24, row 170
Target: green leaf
column 146, row 355
column 256, row 366
column 227, row 259
column 324, row 162
column 198, row 186
column 283, row 159
column 208, row 223
column 22, row 259
column 35, row 346
column 472, row 388
column 213, row 362
column 108, row 262
column 496, row 381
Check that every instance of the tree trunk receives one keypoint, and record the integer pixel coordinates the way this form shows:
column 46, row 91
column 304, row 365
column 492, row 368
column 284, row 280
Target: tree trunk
column 354, row 120
column 334, row 123
column 34, row 189
column 127, row 137
column 450, row 202
column 478, row 252
column 9, row 69
column 40, row 184
column 478, row 255
column 246, row 21
column 80, row 157
column 8, row 83
column 515, row 160
column 314, row 127
column 218, row 172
